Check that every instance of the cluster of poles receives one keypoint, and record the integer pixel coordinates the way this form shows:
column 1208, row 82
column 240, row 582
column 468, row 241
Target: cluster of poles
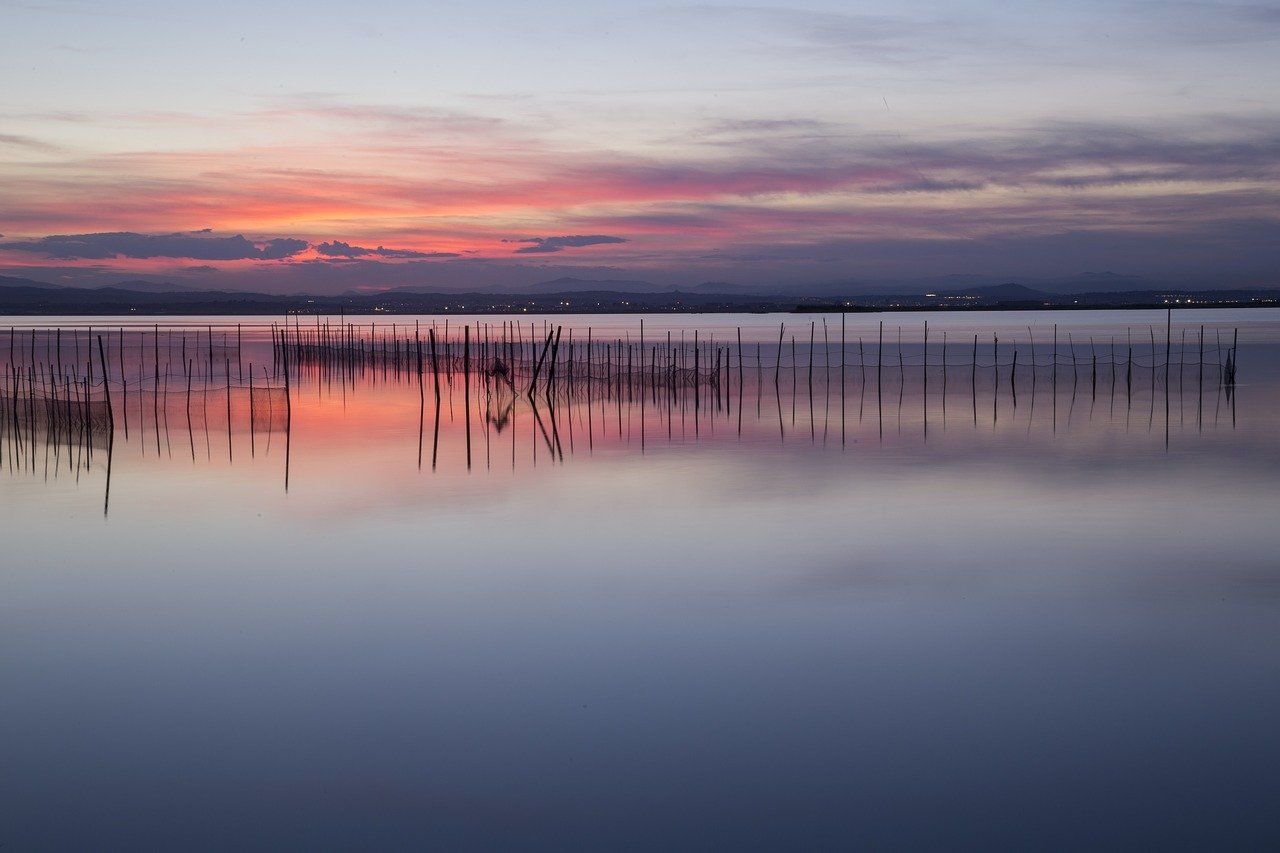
column 508, row 360
column 552, row 362
column 71, row 390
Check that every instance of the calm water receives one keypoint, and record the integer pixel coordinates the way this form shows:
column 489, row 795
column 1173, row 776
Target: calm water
column 894, row 608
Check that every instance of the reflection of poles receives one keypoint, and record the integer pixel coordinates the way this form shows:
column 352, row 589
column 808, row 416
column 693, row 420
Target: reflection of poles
column 879, row 360
column 466, row 384
column 190, row 435
column 1128, row 371
column 740, row 382
column 168, row 366
column 644, row 396
column 759, row 377
column 435, row 434
column 106, row 494
column 227, row 359
column 253, row 450
column 1200, row 386
column 288, row 415
column 1235, row 357
column 1075, row 376
column 537, row 417
column 555, row 431
column 1152, row 414
column 698, row 386
column 794, row 362
column 1055, row 356
column 924, row 378
column 1182, row 358
column 155, row 398
column 1093, row 371
column 1235, row 338
column 813, row 436
column 111, row 424
column 973, row 380
column 777, row 395
column 995, row 378
column 1168, row 357
column 811, row 331
column 879, row 370
column 1072, row 408
column 944, row 381
column 422, row 398
column 842, row 391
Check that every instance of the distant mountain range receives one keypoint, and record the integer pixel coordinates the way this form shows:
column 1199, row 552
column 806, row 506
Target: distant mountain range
column 10, row 281
column 20, row 296
column 569, row 284
column 136, row 285
column 1001, row 293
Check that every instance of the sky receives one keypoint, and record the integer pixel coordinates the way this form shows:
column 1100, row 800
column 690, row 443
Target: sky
column 326, row 147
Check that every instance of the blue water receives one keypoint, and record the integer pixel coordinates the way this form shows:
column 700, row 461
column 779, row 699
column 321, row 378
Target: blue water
column 856, row 617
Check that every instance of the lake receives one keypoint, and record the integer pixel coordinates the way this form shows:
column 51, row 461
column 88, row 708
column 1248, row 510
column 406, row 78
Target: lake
column 797, row 595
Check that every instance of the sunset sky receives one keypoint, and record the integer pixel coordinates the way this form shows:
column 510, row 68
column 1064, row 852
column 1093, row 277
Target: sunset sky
column 327, row 146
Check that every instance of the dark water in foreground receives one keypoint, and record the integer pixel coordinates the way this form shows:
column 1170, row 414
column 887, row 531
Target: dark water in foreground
column 858, row 612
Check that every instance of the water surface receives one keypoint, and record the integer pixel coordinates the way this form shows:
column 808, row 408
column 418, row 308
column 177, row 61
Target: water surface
column 871, row 602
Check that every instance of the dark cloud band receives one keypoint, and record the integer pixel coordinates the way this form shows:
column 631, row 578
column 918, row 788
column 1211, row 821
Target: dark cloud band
column 339, row 249
column 547, row 245
column 199, row 246
column 127, row 244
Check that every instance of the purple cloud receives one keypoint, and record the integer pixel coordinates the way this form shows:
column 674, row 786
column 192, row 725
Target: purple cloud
column 546, row 245
column 128, row 244
column 339, row 249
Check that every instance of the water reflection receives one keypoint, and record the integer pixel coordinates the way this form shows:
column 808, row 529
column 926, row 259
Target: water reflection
column 516, row 394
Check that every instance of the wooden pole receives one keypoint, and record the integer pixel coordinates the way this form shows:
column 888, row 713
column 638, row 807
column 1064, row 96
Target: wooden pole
column 106, row 385
column 879, row 355
column 777, row 370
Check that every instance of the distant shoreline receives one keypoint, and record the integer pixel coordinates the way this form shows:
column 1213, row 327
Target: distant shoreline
column 34, row 301
column 684, row 312
column 1136, row 306
column 244, row 311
